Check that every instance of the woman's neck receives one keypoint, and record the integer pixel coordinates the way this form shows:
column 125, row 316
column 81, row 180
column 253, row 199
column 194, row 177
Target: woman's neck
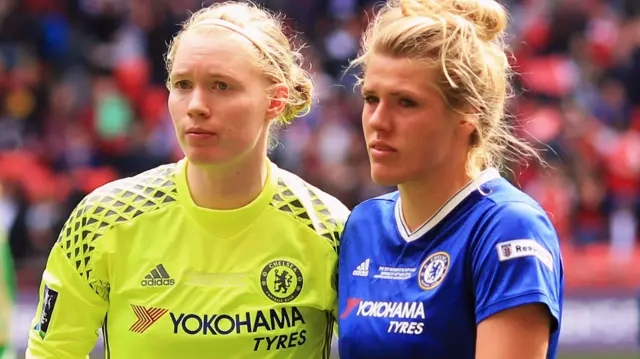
column 227, row 187
column 421, row 199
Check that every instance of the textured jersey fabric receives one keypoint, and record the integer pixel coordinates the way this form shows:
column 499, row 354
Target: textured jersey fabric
column 165, row 278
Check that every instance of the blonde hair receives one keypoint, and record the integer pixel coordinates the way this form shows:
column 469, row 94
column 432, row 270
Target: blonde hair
column 464, row 41
column 277, row 58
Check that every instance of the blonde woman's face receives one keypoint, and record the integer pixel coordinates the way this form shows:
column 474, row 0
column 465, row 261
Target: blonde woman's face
column 408, row 131
column 218, row 100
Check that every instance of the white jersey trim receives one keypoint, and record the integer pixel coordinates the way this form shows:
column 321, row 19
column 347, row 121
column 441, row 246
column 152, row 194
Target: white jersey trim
column 484, row 177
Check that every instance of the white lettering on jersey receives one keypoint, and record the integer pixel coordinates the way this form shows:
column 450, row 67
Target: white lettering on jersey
column 393, row 273
column 524, row 248
column 414, row 328
column 408, row 315
column 403, row 310
column 363, row 269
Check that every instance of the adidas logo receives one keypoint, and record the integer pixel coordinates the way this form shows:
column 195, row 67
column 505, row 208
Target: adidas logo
column 363, row 269
column 158, row 278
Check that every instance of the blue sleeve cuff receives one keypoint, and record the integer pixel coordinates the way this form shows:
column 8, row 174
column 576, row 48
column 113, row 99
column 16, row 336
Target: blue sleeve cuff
column 519, row 300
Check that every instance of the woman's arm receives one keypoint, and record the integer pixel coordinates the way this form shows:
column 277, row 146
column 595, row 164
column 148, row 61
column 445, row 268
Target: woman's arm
column 73, row 294
column 518, row 284
column 521, row 332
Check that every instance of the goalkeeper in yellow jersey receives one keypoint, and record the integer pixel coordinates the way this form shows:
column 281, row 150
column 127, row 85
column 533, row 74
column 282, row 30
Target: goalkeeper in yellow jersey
column 222, row 255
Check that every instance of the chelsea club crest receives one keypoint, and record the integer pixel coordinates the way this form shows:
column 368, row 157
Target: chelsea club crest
column 281, row 281
column 433, row 270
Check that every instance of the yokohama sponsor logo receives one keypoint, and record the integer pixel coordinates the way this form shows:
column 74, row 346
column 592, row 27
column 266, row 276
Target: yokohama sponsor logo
column 146, row 317
column 403, row 317
column 401, row 310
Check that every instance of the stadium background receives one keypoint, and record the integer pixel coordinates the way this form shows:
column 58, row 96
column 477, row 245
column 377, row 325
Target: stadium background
column 82, row 102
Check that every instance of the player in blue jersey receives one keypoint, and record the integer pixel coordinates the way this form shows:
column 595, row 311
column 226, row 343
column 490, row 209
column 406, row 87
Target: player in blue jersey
column 458, row 263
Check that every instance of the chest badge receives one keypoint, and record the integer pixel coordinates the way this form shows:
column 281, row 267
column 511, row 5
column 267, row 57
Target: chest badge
column 433, row 270
column 281, row 281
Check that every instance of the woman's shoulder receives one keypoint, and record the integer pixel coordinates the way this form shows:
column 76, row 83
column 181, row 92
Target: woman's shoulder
column 383, row 203
column 140, row 193
column 121, row 201
column 309, row 196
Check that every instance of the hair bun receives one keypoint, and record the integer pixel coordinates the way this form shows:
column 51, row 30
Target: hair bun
column 488, row 16
column 300, row 95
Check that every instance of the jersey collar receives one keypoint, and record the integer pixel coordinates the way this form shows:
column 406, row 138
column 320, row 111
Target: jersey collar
column 225, row 223
column 484, row 177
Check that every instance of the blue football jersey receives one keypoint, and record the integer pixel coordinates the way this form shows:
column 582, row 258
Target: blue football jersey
column 422, row 294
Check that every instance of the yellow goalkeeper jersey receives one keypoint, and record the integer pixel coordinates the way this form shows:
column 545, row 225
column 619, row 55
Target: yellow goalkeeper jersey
column 165, row 278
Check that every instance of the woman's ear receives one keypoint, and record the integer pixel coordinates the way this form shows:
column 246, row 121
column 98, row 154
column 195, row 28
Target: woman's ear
column 467, row 124
column 278, row 96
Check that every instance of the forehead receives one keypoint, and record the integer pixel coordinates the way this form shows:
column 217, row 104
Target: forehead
column 215, row 49
column 388, row 73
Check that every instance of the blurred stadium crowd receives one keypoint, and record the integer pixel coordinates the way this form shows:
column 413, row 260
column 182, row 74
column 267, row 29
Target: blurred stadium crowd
column 82, row 102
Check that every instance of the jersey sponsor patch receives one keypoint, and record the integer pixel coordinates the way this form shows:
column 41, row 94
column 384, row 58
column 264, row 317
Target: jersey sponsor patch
column 146, row 317
column 433, row 270
column 48, row 304
column 402, row 317
column 261, row 322
column 524, row 248
column 281, row 281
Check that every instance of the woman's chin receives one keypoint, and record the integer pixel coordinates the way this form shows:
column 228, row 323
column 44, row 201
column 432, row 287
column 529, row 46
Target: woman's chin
column 205, row 158
column 385, row 176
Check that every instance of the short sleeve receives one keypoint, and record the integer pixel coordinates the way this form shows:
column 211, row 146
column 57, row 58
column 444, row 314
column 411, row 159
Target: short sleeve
column 74, row 292
column 517, row 261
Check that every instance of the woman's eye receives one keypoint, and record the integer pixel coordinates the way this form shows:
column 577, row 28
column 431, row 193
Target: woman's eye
column 370, row 99
column 219, row 85
column 407, row 103
column 182, row 85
